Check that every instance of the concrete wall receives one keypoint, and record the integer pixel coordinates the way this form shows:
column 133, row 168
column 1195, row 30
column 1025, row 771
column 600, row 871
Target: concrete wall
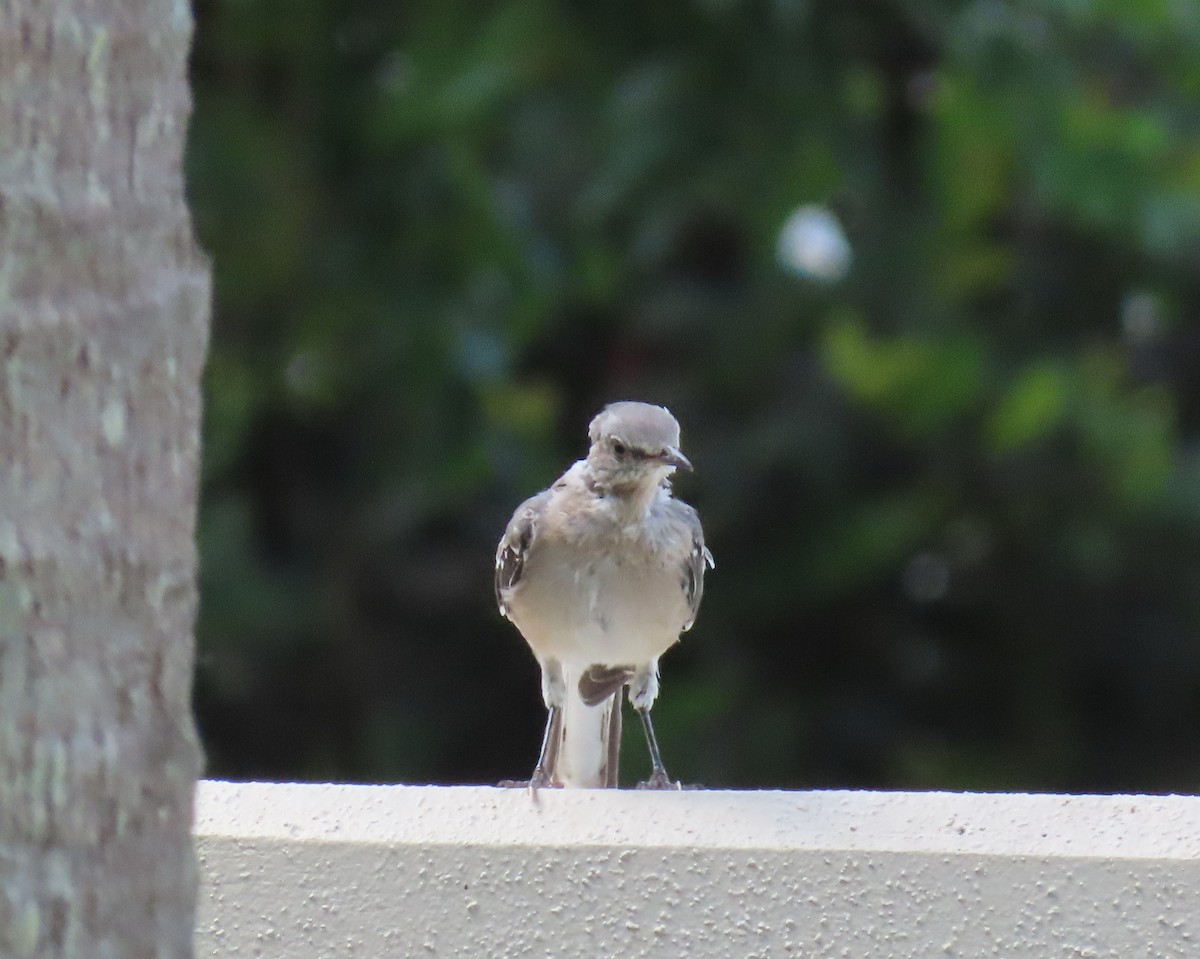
column 301, row 871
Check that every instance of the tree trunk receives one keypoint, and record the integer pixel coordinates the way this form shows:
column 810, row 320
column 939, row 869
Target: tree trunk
column 103, row 326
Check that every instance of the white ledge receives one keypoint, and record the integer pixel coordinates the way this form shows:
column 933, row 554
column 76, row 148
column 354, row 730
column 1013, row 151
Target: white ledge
column 318, row 870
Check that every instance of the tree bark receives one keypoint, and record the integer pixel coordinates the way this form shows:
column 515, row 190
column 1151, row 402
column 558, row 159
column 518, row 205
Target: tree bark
column 103, row 329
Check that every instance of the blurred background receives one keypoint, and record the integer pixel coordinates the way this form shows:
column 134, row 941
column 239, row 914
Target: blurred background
column 919, row 279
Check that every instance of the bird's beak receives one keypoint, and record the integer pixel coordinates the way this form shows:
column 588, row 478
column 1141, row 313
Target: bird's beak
column 673, row 457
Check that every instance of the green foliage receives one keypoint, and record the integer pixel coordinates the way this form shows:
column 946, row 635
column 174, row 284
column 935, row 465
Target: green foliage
column 1033, row 406
column 922, row 384
column 954, row 496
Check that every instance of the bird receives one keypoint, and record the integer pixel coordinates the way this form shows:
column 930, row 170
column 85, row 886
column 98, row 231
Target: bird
column 601, row 573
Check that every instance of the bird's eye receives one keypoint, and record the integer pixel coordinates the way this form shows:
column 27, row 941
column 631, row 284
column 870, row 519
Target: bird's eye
column 620, row 448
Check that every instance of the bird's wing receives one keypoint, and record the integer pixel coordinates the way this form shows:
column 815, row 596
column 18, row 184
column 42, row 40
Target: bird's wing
column 514, row 547
column 694, row 564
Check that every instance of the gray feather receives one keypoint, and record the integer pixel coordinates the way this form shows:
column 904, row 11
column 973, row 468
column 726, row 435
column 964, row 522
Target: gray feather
column 514, row 547
column 698, row 559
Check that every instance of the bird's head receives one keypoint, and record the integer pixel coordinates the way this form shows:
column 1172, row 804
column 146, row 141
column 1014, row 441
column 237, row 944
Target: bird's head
column 635, row 446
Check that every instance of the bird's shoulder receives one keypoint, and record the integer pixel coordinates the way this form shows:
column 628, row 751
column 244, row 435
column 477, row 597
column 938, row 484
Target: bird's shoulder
column 574, row 499
column 685, row 519
column 684, row 514
column 576, row 481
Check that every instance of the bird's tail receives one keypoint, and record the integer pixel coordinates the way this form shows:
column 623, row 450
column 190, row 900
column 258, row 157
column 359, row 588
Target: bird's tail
column 591, row 732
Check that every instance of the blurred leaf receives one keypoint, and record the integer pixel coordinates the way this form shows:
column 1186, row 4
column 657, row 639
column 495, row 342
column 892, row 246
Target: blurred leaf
column 1128, row 431
column 1034, row 405
column 920, row 383
column 871, row 538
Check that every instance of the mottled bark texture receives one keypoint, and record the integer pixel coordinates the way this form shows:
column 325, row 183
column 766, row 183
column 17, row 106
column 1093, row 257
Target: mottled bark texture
column 103, row 325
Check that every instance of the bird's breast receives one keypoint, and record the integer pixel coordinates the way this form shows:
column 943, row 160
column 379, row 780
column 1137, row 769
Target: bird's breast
column 599, row 603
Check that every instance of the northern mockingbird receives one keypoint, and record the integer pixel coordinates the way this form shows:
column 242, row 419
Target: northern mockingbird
column 601, row 573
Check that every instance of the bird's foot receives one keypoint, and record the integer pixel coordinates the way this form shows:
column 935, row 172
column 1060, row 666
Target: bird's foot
column 660, row 780
column 540, row 780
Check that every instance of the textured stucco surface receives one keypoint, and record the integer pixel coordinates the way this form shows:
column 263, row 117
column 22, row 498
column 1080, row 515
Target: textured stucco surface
column 311, row 870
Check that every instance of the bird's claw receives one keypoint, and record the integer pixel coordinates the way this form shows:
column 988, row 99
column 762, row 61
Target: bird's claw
column 660, row 780
column 539, row 780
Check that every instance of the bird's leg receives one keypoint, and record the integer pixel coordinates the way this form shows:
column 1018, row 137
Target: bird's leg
column 643, row 690
column 544, row 772
column 554, row 691
column 658, row 772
